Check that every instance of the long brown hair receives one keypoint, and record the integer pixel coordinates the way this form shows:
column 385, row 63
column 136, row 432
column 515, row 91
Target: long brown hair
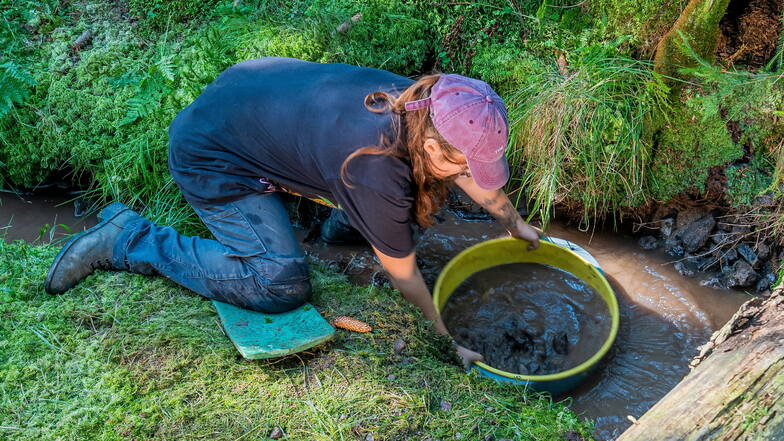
column 411, row 129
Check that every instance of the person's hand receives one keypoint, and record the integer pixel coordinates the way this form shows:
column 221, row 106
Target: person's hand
column 529, row 233
column 468, row 356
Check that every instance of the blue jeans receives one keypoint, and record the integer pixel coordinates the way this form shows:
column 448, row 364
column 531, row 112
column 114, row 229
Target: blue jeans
column 255, row 262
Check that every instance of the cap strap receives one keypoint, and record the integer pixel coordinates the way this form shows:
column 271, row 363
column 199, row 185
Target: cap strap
column 418, row 104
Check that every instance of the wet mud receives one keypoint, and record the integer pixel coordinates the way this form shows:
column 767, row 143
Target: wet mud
column 528, row 318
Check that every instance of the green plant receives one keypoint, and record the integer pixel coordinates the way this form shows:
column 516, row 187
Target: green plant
column 159, row 14
column 646, row 21
column 578, row 132
column 15, row 84
column 744, row 183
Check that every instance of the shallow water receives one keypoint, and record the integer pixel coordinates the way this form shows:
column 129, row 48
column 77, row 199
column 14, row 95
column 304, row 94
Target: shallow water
column 41, row 218
column 528, row 318
column 664, row 316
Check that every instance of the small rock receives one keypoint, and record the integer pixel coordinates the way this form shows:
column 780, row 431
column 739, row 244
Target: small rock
column 720, row 237
column 571, row 435
column 489, row 409
column 405, row 361
column 765, row 282
column 446, row 406
column 369, row 437
column 696, row 234
column 391, row 377
column 673, row 247
column 398, row 345
column 742, row 275
column 489, row 437
column 666, row 227
column 277, row 433
column 764, row 201
column 686, row 268
column 724, row 226
column 727, row 256
column 763, row 250
column 740, row 229
column 648, row 243
column 380, row 280
column 713, row 282
column 748, row 255
column 458, row 435
column 689, row 216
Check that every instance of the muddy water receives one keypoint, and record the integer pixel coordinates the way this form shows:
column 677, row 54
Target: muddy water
column 664, row 316
column 528, row 318
column 40, row 218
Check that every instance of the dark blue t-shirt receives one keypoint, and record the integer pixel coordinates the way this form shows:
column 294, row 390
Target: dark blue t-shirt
column 294, row 122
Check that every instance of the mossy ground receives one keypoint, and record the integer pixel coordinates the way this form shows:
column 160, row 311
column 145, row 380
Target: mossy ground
column 124, row 356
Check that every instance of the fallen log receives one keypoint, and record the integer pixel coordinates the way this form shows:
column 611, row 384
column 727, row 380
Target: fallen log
column 735, row 390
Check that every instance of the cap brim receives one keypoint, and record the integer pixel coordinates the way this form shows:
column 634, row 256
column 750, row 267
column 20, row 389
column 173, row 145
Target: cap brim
column 490, row 175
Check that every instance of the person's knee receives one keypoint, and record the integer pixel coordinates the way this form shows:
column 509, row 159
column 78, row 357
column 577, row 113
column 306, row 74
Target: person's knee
column 288, row 295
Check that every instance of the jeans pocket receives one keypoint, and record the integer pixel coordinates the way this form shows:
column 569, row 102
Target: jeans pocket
column 233, row 231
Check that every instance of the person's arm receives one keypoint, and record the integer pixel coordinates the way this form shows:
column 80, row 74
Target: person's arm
column 500, row 207
column 405, row 277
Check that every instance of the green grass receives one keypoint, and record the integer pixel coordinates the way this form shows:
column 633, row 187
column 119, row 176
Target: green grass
column 579, row 132
column 124, row 356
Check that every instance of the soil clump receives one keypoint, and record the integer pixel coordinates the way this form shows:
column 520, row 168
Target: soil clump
column 528, row 318
column 750, row 31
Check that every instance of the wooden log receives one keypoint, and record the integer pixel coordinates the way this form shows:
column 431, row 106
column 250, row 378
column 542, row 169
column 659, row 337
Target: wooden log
column 735, row 390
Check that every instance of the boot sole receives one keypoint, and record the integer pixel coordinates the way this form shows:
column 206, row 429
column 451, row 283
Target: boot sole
column 68, row 245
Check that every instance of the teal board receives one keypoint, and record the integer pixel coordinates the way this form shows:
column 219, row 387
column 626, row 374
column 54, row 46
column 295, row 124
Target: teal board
column 260, row 335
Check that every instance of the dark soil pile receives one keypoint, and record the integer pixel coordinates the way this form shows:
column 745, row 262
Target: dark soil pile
column 750, row 31
column 528, row 318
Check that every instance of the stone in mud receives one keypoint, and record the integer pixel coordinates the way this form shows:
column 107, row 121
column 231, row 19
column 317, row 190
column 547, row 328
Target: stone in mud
column 379, row 279
column 648, row 242
column 277, row 433
column 740, row 230
column 689, row 216
column 727, row 256
column 666, row 227
column 765, row 282
column 764, row 201
column 673, row 247
column 696, row 234
column 704, row 263
column 742, row 275
column 686, row 268
column 713, row 282
column 398, row 345
column 720, row 237
column 763, row 250
column 748, row 255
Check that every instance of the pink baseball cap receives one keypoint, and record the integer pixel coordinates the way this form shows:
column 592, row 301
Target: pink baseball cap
column 471, row 117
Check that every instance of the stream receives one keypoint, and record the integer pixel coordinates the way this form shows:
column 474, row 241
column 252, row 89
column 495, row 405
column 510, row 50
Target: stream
column 664, row 316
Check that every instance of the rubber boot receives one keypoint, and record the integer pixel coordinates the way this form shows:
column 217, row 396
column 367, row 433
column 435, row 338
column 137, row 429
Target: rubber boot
column 336, row 230
column 89, row 250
